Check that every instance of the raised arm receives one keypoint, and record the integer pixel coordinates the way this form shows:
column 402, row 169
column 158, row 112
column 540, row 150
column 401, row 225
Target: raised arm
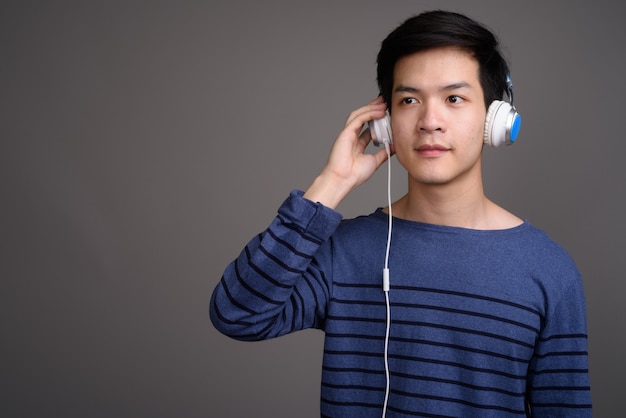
column 281, row 280
column 348, row 165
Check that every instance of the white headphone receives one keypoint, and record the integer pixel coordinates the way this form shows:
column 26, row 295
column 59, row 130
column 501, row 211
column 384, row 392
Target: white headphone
column 380, row 130
column 502, row 123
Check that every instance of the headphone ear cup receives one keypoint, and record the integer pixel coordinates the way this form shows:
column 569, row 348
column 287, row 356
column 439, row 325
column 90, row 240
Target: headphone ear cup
column 380, row 130
column 502, row 124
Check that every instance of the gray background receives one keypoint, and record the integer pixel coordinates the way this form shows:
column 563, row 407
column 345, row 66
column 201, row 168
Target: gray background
column 144, row 142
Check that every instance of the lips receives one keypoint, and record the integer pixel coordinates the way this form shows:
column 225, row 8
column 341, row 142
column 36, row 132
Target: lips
column 432, row 150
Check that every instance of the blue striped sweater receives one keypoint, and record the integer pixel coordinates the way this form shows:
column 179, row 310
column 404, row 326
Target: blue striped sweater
column 484, row 323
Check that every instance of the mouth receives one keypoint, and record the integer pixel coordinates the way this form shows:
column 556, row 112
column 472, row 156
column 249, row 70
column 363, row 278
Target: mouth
column 432, row 150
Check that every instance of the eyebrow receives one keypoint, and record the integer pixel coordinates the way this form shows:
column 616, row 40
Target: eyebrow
column 402, row 88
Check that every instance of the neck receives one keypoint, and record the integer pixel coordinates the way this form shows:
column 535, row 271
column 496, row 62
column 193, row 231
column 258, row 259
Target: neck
column 460, row 205
column 449, row 205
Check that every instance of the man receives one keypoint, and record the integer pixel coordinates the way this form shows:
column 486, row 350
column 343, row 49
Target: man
column 483, row 314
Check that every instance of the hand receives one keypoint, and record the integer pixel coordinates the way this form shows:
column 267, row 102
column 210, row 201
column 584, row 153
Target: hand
column 348, row 165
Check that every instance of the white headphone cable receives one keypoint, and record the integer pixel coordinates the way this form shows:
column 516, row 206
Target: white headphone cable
column 386, row 282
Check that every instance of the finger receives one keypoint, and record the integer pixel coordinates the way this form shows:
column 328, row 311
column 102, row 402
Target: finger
column 378, row 99
column 360, row 125
column 381, row 156
column 365, row 136
column 373, row 110
column 365, row 113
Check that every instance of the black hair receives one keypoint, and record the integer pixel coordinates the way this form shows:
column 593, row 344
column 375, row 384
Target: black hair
column 436, row 29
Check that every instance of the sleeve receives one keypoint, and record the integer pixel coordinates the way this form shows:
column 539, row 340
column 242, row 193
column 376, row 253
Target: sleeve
column 558, row 382
column 277, row 285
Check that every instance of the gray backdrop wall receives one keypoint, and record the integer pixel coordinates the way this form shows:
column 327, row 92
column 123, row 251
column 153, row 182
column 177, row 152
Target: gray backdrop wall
column 144, row 142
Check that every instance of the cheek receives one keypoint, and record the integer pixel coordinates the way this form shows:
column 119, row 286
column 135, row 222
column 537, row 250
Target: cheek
column 474, row 129
column 399, row 131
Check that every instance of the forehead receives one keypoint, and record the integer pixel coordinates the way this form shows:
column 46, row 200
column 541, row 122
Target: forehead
column 437, row 67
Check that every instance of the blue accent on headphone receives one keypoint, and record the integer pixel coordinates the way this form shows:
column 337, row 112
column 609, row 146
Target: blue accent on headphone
column 517, row 124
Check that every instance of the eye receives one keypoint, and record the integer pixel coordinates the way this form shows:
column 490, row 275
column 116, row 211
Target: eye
column 455, row 99
column 409, row 100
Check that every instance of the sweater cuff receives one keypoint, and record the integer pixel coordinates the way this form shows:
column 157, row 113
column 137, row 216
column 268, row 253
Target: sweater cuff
column 311, row 217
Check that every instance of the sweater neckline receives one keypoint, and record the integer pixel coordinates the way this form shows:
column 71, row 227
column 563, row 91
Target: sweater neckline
column 446, row 228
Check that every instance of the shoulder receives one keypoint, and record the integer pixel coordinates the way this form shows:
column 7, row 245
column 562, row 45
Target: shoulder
column 549, row 261
column 366, row 234
column 542, row 242
column 363, row 225
column 531, row 241
column 500, row 218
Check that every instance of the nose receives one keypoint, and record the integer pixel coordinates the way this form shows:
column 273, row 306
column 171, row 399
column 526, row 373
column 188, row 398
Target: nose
column 430, row 119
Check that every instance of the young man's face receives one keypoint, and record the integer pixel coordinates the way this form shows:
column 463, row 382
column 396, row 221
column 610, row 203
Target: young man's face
column 438, row 116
